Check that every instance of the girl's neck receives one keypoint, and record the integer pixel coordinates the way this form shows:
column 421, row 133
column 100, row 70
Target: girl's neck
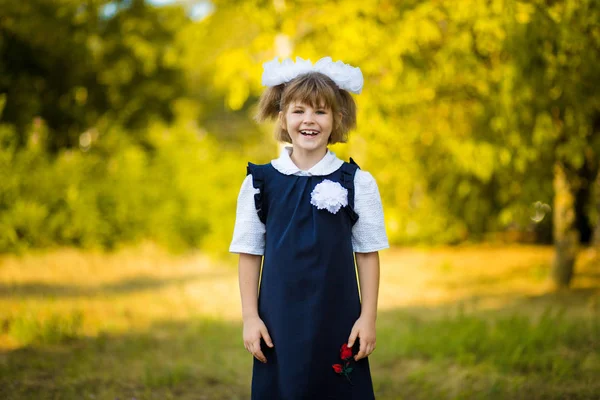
column 305, row 160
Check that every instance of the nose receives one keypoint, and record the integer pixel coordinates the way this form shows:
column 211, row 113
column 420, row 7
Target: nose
column 309, row 116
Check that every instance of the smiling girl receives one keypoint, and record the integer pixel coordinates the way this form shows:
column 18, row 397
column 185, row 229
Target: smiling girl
column 306, row 223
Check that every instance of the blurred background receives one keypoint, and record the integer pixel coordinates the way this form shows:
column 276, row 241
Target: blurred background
column 125, row 129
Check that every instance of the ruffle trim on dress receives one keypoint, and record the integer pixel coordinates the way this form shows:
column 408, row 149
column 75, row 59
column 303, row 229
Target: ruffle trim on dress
column 347, row 181
column 258, row 183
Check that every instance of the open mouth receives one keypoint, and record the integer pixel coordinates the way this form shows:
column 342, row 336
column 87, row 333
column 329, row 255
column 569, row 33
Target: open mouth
column 309, row 132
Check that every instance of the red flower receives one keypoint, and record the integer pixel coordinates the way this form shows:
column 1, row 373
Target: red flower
column 345, row 352
column 344, row 369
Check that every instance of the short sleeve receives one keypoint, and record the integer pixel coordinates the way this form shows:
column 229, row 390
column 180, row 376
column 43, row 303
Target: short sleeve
column 249, row 231
column 368, row 233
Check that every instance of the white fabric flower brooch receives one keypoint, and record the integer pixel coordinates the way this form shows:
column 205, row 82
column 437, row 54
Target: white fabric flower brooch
column 329, row 195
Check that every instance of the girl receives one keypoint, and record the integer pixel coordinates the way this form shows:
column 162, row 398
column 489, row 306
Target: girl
column 305, row 216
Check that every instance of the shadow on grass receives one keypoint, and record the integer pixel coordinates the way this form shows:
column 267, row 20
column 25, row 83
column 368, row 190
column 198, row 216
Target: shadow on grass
column 576, row 302
column 572, row 298
column 442, row 352
column 196, row 359
column 138, row 283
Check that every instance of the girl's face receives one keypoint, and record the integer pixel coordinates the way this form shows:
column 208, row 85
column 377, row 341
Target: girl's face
column 309, row 128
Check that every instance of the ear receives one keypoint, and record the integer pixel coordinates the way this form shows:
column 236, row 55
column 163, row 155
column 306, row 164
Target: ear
column 341, row 121
column 282, row 121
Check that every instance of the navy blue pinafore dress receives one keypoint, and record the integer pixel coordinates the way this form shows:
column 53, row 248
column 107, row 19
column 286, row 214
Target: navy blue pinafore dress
column 308, row 298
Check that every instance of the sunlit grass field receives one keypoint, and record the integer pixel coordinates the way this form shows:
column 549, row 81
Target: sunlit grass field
column 455, row 323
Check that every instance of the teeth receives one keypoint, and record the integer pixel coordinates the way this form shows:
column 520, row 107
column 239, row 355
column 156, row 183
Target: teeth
column 312, row 133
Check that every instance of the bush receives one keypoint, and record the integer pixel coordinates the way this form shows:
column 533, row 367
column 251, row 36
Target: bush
column 179, row 189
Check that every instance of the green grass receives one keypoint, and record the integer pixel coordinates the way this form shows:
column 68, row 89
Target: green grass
column 29, row 329
column 491, row 356
column 170, row 361
column 140, row 324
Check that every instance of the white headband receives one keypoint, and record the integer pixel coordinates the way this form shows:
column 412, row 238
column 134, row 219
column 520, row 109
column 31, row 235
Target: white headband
column 345, row 76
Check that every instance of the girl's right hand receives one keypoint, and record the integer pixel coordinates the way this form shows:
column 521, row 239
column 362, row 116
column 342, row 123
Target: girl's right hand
column 254, row 330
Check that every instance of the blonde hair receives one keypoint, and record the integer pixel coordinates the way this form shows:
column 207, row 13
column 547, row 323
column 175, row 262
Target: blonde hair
column 316, row 90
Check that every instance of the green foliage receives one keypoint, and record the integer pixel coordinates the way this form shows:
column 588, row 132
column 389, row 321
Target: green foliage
column 65, row 62
column 465, row 111
column 465, row 108
column 180, row 193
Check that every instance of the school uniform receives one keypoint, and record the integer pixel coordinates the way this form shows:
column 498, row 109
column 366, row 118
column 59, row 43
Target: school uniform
column 308, row 225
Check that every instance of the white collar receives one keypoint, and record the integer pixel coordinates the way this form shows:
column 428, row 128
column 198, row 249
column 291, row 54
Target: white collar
column 328, row 164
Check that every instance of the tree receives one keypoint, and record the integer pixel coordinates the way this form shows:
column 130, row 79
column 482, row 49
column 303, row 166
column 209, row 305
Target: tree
column 556, row 47
column 68, row 63
column 488, row 107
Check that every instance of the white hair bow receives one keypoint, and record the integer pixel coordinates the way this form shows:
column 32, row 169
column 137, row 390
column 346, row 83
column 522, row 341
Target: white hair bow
column 345, row 76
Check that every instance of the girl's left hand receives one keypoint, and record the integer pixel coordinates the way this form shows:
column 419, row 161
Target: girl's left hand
column 364, row 328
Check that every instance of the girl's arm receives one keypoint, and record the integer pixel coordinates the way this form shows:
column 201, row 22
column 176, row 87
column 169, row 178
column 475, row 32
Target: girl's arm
column 364, row 328
column 368, row 276
column 249, row 271
column 254, row 328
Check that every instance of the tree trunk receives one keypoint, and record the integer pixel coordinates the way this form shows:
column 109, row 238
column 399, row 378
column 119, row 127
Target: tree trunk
column 596, row 235
column 566, row 236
